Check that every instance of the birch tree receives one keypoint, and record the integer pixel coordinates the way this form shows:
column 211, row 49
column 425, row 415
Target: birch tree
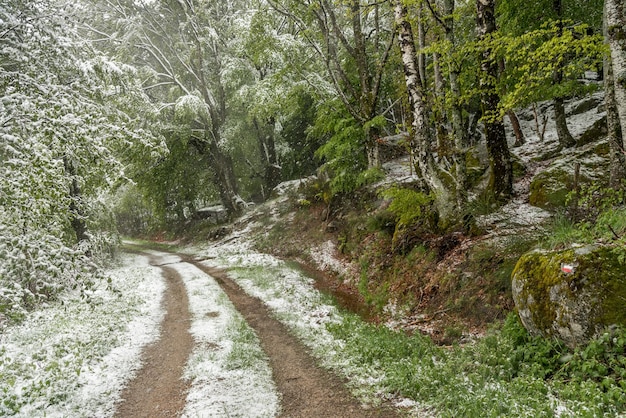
column 422, row 140
column 616, row 31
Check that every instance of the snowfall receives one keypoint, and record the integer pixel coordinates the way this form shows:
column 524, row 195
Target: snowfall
column 73, row 357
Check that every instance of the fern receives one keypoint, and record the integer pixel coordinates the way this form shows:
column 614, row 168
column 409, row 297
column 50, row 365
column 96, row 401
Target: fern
column 408, row 205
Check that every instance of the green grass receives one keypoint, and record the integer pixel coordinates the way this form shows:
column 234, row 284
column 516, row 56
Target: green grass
column 246, row 352
column 507, row 373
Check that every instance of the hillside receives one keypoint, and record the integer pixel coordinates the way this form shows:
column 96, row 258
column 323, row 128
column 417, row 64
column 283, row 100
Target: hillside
column 451, row 286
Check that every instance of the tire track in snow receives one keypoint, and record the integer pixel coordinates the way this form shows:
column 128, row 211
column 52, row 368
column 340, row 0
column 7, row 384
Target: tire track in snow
column 158, row 389
column 307, row 391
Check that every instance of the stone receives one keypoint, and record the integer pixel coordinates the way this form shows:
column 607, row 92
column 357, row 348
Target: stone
column 574, row 294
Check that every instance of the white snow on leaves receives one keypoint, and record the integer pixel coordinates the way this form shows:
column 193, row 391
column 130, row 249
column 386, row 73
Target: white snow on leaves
column 72, row 357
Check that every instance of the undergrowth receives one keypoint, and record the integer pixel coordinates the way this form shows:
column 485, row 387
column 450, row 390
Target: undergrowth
column 507, row 373
column 594, row 214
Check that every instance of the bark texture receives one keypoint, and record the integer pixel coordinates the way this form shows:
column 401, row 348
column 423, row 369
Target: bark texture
column 501, row 180
column 422, row 135
column 459, row 134
column 616, row 29
column 616, row 139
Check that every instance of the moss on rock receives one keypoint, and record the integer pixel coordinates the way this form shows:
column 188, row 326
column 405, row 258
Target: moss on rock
column 572, row 306
column 549, row 189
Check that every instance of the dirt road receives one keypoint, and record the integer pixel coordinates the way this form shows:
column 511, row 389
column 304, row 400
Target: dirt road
column 305, row 389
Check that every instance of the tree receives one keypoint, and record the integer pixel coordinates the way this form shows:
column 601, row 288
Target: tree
column 354, row 44
column 616, row 30
column 501, row 180
column 553, row 29
column 617, row 174
column 185, row 48
column 422, row 139
column 62, row 132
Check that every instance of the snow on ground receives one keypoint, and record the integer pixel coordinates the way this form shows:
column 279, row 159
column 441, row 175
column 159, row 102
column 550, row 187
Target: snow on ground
column 291, row 296
column 324, row 257
column 230, row 374
column 72, row 357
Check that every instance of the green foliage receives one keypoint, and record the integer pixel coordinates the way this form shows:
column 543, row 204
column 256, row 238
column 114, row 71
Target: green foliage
column 65, row 139
column 344, row 151
column 298, row 157
column 594, row 213
column 592, row 200
column 533, row 57
column 506, row 373
column 408, row 205
column 561, row 231
column 518, row 16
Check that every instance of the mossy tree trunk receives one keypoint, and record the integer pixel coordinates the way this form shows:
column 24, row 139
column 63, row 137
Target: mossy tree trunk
column 501, row 180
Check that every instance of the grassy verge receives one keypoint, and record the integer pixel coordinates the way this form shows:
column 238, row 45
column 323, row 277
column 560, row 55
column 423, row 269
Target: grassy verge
column 507, row 373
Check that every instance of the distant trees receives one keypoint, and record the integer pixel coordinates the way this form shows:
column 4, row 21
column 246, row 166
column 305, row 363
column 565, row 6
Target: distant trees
column 353, row 40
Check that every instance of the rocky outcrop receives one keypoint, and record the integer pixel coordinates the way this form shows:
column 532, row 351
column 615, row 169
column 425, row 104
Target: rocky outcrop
column 550, row 188
column 573, row 294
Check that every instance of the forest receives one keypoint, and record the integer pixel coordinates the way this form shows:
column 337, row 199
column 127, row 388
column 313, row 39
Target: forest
column 144, row 118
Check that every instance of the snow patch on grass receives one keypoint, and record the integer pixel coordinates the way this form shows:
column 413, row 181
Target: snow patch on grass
column 324, row 258
column 73, row 357
column 230, row 374
column 294, row 301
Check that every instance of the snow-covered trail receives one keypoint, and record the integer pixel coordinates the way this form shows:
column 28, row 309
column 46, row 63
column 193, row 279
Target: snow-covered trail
column 207, row 361
column 136, row 347
column 158, row 389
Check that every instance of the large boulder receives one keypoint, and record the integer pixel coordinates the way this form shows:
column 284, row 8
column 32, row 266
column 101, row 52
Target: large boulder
column 573, row 294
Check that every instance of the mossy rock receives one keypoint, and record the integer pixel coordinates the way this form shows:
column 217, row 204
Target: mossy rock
column 549, row 189
column 574, row 294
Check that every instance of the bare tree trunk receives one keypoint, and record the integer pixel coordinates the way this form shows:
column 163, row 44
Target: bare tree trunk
column 616, row 28
column 566, row 140
column 501, row 180
column 225, row 179
column 267, row 150
column 77, row 217
column 617, row 171
column 517, row 129
column 421, row 38
column 422, row 140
